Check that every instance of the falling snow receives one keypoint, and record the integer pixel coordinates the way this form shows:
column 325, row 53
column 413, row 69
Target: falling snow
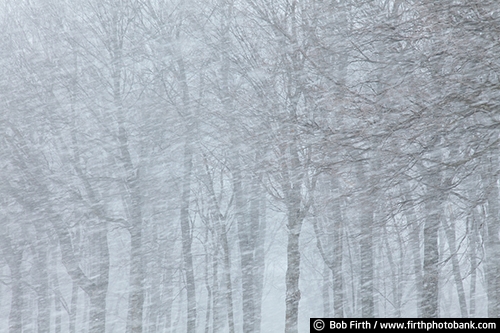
column 245, row 165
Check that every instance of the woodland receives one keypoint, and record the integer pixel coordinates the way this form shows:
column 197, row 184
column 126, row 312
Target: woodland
column 245, row 165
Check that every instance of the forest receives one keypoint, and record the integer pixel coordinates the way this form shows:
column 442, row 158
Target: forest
column 245, row 165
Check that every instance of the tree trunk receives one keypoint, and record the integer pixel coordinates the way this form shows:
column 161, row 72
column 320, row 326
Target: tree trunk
column 292, row 276
column 246, row 243
column 255, row 225
column 326, row 291
column 187, row 239
column 97, row 315
column 366, row 253
column 260, row 259
column 134, row 202
column 227, row 275
column 136, row 289
column 492, row 249
column 186, row 231
column 450, row 235
column 430, row 299
column 98, row 298
column 395, row 277
column 295, row 218
column 57, row 297
column 136, row 286
column 217, row 298
column 42, row 283
column 338, row 251
column 473, row 265
column 338, row 280
column 433, row 204
column 73, row 307
column 331, row 249
column 411, row 222
column 366, row 248
column 209, row 293
column 14, row 257
column 167, row 298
